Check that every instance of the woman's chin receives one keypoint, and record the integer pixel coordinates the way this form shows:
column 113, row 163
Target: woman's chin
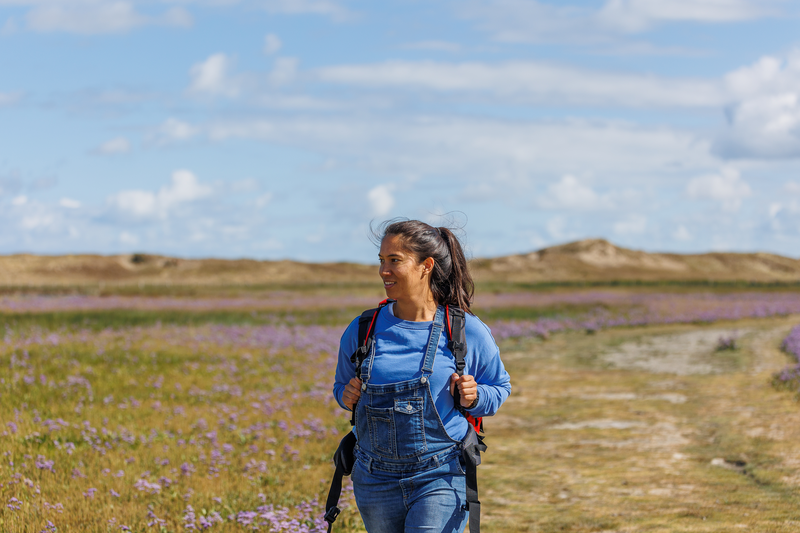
column 390, row 291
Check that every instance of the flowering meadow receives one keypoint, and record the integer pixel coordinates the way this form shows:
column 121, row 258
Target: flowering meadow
column 170, row 424
column 168, row 428
column 789, row 377
column 614, row 309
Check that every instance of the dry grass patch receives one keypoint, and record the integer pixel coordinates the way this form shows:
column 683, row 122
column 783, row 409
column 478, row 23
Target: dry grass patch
column 583, row 445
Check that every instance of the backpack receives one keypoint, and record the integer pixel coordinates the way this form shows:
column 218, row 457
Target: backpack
column 472, row 445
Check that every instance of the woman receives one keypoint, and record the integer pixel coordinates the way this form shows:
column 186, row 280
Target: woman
column 408, row 474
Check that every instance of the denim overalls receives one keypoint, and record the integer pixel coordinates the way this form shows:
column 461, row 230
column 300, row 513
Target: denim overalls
column 408, row 474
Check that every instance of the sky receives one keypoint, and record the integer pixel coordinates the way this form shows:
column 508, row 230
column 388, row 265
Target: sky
column 277, row 129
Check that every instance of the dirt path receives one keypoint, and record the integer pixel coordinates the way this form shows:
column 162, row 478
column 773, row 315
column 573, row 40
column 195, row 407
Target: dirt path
column 646, row 429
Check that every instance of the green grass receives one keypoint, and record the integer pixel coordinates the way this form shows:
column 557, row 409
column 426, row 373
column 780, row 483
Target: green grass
column 123, row 318
column 172, row 289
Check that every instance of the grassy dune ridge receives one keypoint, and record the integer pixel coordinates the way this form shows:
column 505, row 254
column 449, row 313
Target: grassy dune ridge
column 198, row 416
column 587, row 262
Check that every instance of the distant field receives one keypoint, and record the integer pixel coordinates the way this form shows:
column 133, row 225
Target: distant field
column 625, row 414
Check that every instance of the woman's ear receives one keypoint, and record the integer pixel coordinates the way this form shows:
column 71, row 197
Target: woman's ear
column 429, row 263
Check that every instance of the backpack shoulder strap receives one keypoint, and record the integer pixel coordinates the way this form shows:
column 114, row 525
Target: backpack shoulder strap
column 458, row 341
column 456, row 327
column 473, row 445
column 366, row 336
column 364, row 323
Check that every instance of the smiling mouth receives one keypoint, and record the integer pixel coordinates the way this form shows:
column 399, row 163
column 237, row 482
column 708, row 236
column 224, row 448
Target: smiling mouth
column 388, row 284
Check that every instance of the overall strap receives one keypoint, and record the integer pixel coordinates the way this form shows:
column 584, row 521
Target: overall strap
column 366, row 338
column 433, row 341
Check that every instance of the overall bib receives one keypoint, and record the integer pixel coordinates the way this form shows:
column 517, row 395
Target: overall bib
column 408, row 474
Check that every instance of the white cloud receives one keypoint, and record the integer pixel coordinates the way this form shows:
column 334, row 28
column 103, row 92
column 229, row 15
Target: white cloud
column 381, row 200
column 532, row 21
column 682, row 234
column 175, row 130
column 20, row 200
column 9, row 98
column 118, row 145
column 212, row 77
column 263, row 200
column 506, row 152
column 792, row 187
column 727, row 188
column 764, row 116
column 98, row 17
column 184, row 188
column 531, row 81
column 327, row 8
column 570, row 193
column 41, row 220
column 69, row 203
column 284, row 71
column 272, row 43
column 631, row 225
column 641, row 15
column 215, row 77
column 128, row 238
column 557, row 229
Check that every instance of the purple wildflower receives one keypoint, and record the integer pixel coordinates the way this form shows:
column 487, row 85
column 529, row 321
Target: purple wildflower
column 43, row 464
column 187, row 469
column 145, row 486
column 189, row 518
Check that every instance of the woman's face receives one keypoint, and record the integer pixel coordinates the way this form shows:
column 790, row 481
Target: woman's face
column 403, row 277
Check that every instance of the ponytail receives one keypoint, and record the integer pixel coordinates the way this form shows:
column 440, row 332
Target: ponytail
column 459, row 288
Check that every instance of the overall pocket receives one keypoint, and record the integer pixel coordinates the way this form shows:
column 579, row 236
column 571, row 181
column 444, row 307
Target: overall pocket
column 410, row 427
column 381, row 430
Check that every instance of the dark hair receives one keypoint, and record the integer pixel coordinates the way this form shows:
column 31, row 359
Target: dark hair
column 451, row 282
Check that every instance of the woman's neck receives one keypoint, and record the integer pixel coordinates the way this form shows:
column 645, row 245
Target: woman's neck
column 423, row 310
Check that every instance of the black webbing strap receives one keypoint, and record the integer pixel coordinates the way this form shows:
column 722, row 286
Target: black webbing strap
column 457, row 345
column 343, row 460
column 472, row 447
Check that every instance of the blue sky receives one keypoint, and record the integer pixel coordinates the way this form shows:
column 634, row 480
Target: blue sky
column 281, row 128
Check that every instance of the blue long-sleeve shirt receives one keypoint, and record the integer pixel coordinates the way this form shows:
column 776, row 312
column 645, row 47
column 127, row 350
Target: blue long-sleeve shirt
column 400, row 348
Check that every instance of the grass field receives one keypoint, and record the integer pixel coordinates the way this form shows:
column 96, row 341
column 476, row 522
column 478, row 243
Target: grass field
column 194, row 417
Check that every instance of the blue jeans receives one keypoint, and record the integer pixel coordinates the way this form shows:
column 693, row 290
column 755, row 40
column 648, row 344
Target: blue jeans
column 432, row 500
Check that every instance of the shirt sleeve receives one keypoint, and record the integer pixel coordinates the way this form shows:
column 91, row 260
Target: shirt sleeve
column 484, row 364
column 345, row 370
